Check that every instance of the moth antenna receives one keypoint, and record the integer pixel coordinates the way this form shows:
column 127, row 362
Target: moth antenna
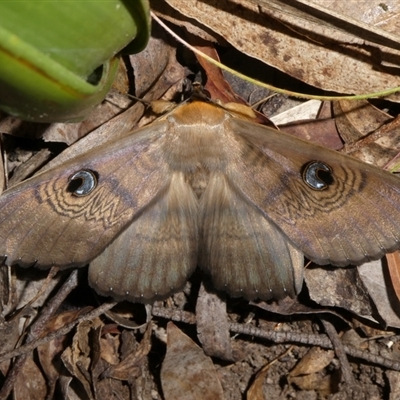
column 145, row 102
column 159, row 107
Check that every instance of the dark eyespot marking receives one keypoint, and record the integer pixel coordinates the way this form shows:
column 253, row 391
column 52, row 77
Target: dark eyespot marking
column 317, row 175
column 82, row 182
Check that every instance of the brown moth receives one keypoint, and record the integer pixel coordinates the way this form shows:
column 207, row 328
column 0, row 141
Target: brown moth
column 201, row 186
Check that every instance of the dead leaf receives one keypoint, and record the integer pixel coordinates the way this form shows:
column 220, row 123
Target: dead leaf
column 30, row 384
column 393, row 260
column 311, row 120
column 77, row 358
column 357, row 118
column 9, row 336
column 315, row 360
column 394, row 382
column 49, row 353
column 130, row 367
column 156, row 69
column 324, row 385
column 375, row 279
column 369, row 133
column 29, row 167
column 322, row 132
column 308, row 110
column 255, row 391
column 313, row 53
column 212, row 323
column 341, row 288
column 186, row 372
column 309, row 373
column 2, row 171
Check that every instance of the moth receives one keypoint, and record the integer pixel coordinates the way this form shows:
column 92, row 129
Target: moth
column 201, row 186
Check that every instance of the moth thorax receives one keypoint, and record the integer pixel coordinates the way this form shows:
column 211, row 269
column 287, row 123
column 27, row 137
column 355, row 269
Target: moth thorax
column 196, row 146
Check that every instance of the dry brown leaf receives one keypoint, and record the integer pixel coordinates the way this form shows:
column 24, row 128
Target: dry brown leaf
column 311, row 120
column 324, row 385
column 357, row 118
column 29, row 167
column 309, row 374
column 375, row 279
column 109, row 344
column 304, row 111
column 212, row 323
column 352, row 338
column 394, row 381
column 156, row 69
column 341, row 288
column 330, row 17
column 30, row 384
column 329, row 59
column 186, row 372
column 130, row 366
column 314, row 361
column 49, row 353
column 255, row 391
column 193, row 27
column 322, row 132
column 77, row 357
column 217, row 86
column 393, row 260
column 381, row 148
column 70, row 133
column 369, row 133
column 9, row 336
column 290, row 306
column 25, row 286
column 2, row 170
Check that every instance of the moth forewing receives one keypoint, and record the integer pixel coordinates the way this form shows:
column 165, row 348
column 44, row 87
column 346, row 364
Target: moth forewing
column 352, row 218
column 44, row 222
